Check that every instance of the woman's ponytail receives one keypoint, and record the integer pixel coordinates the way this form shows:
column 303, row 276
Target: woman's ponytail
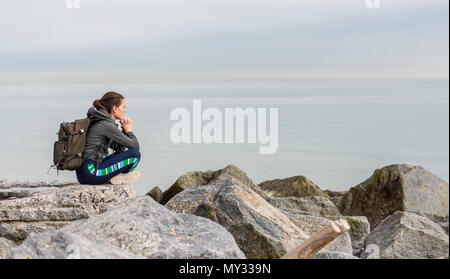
column 108, row 100
column 98, row 104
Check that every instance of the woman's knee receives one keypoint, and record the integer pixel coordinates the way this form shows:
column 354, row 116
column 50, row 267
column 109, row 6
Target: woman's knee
column 134, row 153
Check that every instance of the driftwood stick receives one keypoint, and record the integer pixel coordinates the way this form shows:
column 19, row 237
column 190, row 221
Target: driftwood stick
column 317, row 241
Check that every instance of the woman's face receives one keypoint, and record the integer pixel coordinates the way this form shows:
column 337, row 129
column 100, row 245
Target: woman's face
column 120, row 110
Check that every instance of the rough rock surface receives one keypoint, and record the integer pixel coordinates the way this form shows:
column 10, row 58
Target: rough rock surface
column 260, row 230
column 296, row 186
column 408, row 235
column 333, row 255
column 200, row 178
column 322, row 207
column 6, row 248
column 396, row 188
column 442, row 221
column 10, row 183
column 315, row 206
column 372, row 252
column 37, row 209
column 359, row 230
column 311, row 224
column 156, row 193
column 19, row 230
column 335, row 196
column 145, row 228
column 63, row 245
column 127, row 178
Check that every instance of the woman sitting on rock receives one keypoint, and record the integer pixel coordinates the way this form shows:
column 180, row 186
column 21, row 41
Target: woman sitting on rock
column 104, row 133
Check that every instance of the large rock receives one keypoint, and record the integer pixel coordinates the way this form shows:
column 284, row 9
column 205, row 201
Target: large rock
column 359, row 230
column 12, row 183
column 6, row 248
column 200, row 178
column 296, row 186
column 156, row 193
column 27, row 209
column 324, row 208
column 315, row 206
column 63, row 245
column 308, row 212
column 371, row 252
column 334, row 255
column 396, row 188
column 312, row 224
column 442, row 221
column 335, row 196
column 260, row 230
column 145, row 228
column 405, row 235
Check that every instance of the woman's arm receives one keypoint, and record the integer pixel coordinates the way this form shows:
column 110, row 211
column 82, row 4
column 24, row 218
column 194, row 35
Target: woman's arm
column 128, row 140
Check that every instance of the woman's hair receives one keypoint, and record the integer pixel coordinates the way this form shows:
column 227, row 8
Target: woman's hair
column 108, row 100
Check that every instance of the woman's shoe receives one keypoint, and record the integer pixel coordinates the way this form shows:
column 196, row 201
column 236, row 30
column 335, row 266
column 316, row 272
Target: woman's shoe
column 125, row 178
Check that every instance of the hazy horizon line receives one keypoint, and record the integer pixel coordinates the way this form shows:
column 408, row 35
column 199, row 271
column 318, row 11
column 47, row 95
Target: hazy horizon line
column 40, row 77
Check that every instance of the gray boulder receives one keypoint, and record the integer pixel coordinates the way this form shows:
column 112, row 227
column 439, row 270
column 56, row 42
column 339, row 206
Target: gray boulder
column 323, row 208
column 260, row 230
column 156, row 193
column 372, row 252
column 334, row 255
column 442, row 221
column 6, row 248
column 36, row 209
column 12, row 183
column 315, row 206
column 63, row 245
column 202, row 178
column 145, row 228
column 359, row 230
column 335, row 196
column 396, row 188
column 405, row 235
column 296, row 186
column 312, row 224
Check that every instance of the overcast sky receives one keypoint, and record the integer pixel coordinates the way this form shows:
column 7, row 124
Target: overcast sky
column 137, row 40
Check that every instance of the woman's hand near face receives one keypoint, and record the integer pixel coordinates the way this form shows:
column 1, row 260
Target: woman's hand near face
column 127, row 124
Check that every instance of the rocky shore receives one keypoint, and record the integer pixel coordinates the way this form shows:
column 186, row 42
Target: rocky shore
column 400, row 211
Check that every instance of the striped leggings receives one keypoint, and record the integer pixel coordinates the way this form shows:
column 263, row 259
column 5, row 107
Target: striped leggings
column 110, row 166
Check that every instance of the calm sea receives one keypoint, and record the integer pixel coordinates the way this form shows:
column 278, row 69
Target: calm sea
column 335, row 133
